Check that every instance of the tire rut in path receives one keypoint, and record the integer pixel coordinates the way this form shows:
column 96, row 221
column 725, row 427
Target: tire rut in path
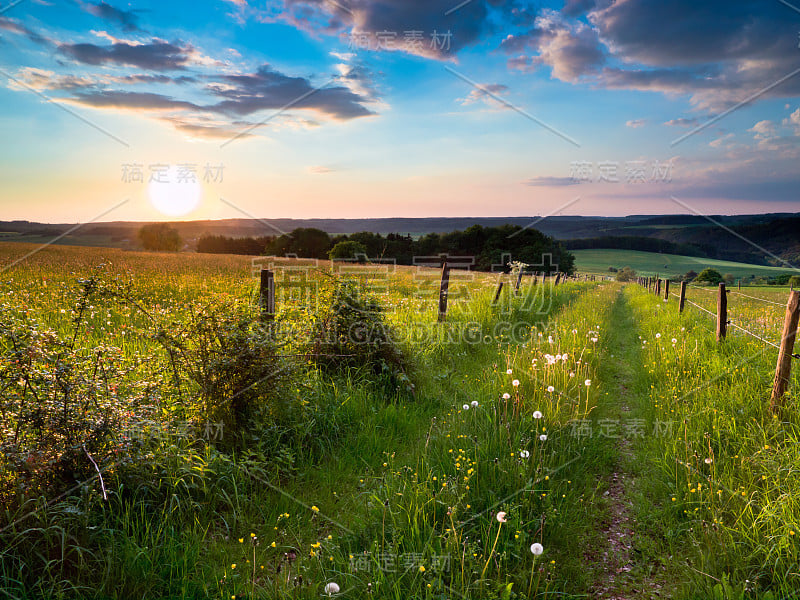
column 617, row 577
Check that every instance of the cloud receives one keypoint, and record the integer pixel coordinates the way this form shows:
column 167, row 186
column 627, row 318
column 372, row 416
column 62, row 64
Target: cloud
column 718, row 53
column 682, row 122
column 269, row 89
column 485, row 93
column 157, row 55
column 14, row 26
column 545, row 181
column 636, row 123
column 571, row 49
column 127, row 20
column 320, row 170
column 362, row 22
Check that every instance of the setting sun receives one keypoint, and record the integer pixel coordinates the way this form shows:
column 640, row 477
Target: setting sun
column 174, row 193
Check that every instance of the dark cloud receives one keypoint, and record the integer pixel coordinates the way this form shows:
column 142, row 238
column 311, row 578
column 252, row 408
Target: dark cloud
column 157, row 55
column 269, row 89
column 370, row 17
column 132, row 100
column 127, row 20
column 717, row 52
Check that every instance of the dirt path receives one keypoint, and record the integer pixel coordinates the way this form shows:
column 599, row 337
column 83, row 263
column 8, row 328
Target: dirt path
column 620, row 574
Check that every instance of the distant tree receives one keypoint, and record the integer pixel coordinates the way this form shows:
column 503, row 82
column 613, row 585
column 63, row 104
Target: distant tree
column 626, row 274
column 729, row 278
column 794, row 281
column 305, row 242
column 690, row 276
column 709, row 275
column 348, row 249
column 160, row 237
column 612, row 269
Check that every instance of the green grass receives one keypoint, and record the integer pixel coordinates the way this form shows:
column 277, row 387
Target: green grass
column 652, row 263
column 361, row 471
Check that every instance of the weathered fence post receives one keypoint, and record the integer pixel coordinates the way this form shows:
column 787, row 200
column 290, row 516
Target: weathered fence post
column 682, row 300
column 558, row 278
column 722, row 312
column 658, row 287
column 788, row 336
column 443, row 289
column 267, row 295
column 519, row 280
column 544, row 277
column 499, row 290
column 666, row 289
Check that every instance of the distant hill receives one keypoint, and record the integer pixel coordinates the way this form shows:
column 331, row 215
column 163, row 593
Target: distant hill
column 755, row 239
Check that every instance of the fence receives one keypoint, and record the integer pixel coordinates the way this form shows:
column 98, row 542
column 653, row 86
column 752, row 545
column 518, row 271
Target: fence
column 788, row 333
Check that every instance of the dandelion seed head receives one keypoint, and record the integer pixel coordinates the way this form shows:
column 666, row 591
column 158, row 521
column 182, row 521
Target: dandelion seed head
column 537, row 549
column 501, row 516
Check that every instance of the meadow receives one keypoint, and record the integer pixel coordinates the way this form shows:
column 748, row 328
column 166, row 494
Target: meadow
column 650, row 264
column 162, row 440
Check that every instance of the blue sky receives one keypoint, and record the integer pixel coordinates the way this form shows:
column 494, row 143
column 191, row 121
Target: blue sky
column 359, row 108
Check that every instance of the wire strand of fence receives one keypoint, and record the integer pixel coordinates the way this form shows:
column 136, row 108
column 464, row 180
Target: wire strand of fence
column 701, row 308
column 697, row 287
column 750, row 333
column 759, row 299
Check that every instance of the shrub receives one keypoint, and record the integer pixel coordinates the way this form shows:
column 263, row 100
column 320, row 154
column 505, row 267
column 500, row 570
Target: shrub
column 626, row 274
column 160, row 237
column 710, row 276
column 348, row 249
column 350, row 331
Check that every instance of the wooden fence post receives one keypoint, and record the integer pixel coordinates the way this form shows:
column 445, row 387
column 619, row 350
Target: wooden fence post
column 499, row 290
column 788, row 336
column 519, row 280
column 558, row 278
column 658, row 287
column 666, row 289
column 722, row 312
column 443, row 289
column 682, row 301
column 266, row 295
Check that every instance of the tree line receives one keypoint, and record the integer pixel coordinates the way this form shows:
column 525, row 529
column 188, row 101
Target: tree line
column 490, row 246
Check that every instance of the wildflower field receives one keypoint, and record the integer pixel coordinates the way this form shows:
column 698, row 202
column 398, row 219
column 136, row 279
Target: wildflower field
column 161, row 439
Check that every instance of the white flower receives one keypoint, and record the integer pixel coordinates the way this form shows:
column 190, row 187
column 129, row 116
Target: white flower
column 501, row 517
column 550, row 338
column 587, row 383
column 465, row 407
column 506, row 396
column 550, row 388
column 537, row 414
column 683, row 328
column 658, row 335
column 572, row 374
column 537, row 549
column 564, row 356
column 524, row 454
column 594, row 339
column 543, row 438
column 708, row 460
column 333, row 588
column 558, row 357
column 474, row 404
column 515, row 383
column 509, row 371
column 574, row 331
column 674, row 341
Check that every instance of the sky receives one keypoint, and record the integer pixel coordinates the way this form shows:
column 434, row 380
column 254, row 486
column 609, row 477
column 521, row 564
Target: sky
column 379, row 108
